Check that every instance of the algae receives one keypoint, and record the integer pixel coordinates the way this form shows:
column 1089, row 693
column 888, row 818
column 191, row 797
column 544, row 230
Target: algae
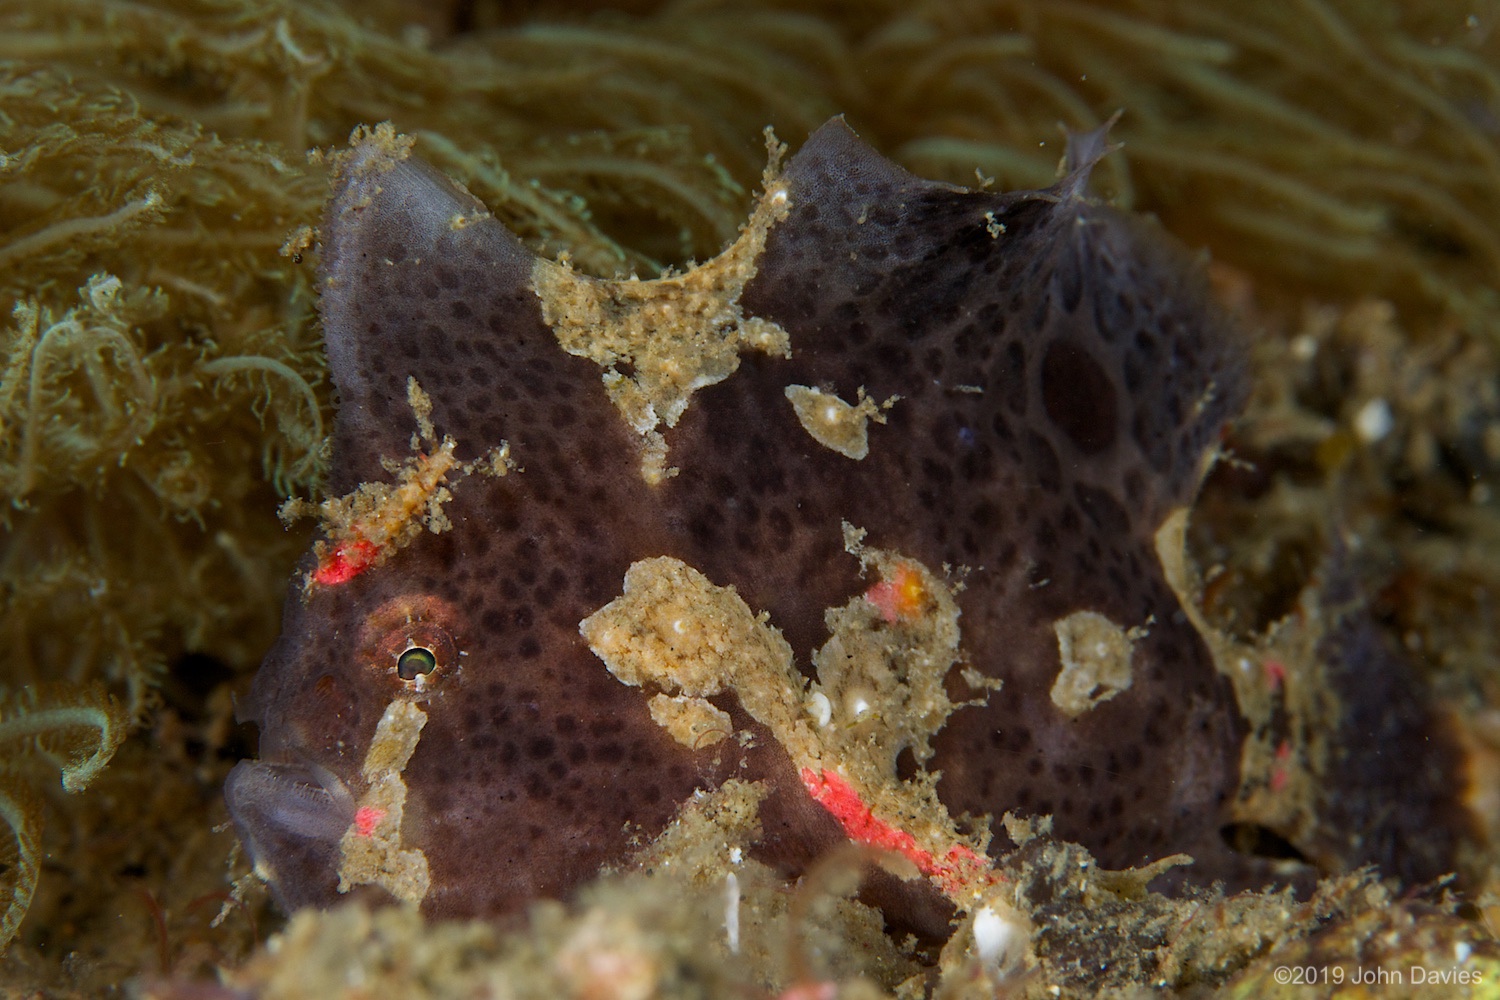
column 370, row 851
column 78, row 730
column 879, row 690
column 834, row 424
column 674, row 335
column 1095, row 655
column 362, row 528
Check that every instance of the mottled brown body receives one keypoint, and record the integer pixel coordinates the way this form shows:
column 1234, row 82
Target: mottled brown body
column 1060, row 374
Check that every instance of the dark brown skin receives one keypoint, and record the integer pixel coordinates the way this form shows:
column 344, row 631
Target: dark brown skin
column 1105, row 374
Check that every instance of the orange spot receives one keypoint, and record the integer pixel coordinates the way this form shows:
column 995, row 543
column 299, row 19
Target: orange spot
column 900, row 597
column 959, row 868
column 346, row 561
column 1275, row 673
column 366, row 818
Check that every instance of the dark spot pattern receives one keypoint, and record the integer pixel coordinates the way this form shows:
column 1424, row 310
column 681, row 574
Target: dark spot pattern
column 1102, row 372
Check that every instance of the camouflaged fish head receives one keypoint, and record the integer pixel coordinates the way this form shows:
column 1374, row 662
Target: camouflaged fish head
column 915, row 431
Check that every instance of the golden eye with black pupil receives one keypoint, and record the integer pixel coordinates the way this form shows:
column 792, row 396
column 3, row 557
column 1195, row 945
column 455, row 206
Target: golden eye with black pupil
column 410, row 641
column 416, row 660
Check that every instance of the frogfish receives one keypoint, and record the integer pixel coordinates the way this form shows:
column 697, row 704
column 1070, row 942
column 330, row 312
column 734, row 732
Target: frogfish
column 868, row 509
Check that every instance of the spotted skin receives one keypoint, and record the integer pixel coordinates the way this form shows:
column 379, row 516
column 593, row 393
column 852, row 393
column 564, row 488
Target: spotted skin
column 1060, row 373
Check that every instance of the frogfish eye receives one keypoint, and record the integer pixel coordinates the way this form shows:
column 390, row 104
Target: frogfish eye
column 414, row 661
column 421, row 650
column 415, row 635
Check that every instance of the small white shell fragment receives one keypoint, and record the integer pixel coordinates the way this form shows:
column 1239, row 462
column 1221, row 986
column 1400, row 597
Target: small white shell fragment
column 820, row 708
column 1374, row 421
column 997, row 939
column 732, row 911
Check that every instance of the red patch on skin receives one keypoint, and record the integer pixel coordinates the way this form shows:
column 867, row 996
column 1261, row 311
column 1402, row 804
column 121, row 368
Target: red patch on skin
column 345, row 562
column 1279, row 774
column 959, row 869
column 366, row 818
column 899, row 597
column 1275, row 673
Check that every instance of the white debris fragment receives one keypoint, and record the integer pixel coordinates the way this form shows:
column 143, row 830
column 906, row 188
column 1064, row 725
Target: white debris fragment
column 732, row 911
column 820, row 708
column 1000, row 939
column 1374, row 421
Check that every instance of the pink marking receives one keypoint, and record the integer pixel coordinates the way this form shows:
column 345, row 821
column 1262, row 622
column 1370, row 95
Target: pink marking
column 959, row 868
column 1280, row 774
column 366, row 819
column 899, row 597
column 811, row 991
column 345, row 562
column 1275, row 673
column 885, row 598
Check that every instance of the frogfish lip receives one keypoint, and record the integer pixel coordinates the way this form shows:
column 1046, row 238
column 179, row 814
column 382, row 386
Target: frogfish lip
column 291, row 818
